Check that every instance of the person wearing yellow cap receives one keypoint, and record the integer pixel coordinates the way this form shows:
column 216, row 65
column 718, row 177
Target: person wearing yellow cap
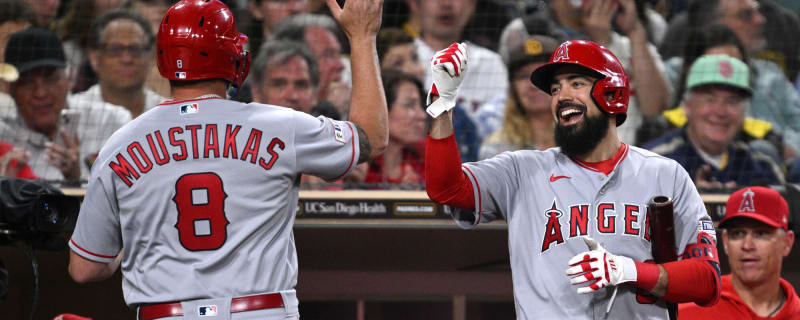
column 756, row 238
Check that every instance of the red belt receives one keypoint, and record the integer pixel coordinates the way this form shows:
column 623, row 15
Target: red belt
column 241, row 304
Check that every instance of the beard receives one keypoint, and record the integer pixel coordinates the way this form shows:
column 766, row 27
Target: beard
column 580, row 138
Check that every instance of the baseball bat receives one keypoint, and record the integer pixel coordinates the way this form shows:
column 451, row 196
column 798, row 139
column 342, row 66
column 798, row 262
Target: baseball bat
column 662, row 237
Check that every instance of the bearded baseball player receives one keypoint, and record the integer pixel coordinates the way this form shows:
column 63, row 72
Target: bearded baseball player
column 576, row 214
column 194, row 200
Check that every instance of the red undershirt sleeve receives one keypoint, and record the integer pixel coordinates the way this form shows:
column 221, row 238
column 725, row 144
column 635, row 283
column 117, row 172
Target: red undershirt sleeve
column 444, row 180
column 690, row 280
column 693, row 280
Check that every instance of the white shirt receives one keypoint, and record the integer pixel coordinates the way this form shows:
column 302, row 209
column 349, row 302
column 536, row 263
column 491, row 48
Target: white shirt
column 486, row 80
column 151, row 99
column 98, row 120
column 621, row 47
column 8, row 108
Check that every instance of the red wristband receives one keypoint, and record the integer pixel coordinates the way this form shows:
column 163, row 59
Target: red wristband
column 647, row 274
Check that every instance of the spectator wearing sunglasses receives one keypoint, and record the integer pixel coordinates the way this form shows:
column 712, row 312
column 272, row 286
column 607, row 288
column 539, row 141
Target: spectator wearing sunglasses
column 121, row 54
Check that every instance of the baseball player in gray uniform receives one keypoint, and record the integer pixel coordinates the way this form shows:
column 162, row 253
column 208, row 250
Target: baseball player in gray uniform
column 194, row 200
column 576, row 213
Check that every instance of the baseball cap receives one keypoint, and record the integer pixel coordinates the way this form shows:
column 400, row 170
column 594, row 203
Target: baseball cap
column 759, row 203
column 719, row 69
column 521, row 43
column 33, row 48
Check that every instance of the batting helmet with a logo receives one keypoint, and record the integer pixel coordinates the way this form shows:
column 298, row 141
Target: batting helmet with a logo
column 610, row 92
column 198, row 40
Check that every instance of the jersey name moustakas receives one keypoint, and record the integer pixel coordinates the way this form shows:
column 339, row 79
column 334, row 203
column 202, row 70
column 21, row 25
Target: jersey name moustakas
column 219, row 141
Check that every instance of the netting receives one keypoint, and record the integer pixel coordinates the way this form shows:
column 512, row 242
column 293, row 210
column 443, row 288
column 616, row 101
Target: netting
column 743, row 131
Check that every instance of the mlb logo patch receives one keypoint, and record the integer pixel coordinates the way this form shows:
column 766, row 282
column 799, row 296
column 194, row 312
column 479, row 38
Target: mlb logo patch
column 207, row 311
column 707, row 227
column 338, row 132
column 190, row 108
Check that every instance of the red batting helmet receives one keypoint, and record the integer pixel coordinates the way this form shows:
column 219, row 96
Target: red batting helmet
column 598, row 62
column 198, row 40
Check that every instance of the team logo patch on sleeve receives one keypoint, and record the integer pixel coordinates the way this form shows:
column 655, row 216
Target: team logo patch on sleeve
column 338, row 131
column 190, row 108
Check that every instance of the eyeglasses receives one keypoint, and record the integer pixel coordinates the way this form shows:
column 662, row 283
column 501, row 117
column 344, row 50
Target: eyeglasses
column 117, row 50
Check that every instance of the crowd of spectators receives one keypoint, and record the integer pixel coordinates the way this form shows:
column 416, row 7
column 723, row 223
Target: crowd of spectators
column 715, row 83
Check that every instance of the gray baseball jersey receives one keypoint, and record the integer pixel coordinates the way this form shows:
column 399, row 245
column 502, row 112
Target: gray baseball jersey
column 550, row 201
column 200, row 197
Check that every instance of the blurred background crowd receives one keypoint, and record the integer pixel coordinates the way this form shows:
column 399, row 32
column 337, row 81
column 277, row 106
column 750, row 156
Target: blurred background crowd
column 715, row 83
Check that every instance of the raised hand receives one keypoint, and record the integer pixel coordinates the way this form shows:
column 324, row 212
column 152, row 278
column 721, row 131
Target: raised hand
column 627, row 20
column 597, row 16
column 65, row 157
column 358, row 18
column 448, row 66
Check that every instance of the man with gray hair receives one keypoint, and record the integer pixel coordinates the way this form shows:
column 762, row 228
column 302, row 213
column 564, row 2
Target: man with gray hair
column 320, row 34
column 285, row 74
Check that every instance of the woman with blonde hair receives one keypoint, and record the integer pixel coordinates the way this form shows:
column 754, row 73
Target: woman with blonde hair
column 527, row 119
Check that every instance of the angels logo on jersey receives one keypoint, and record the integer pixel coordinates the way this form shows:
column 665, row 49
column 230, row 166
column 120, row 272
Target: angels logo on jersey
column 604, row 221
column 553, row 228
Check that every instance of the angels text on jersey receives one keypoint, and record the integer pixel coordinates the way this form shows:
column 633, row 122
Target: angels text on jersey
column 602, row 217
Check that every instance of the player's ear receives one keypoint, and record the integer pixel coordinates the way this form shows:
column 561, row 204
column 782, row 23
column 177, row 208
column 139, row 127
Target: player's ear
column 789, row 241
column 725, row 240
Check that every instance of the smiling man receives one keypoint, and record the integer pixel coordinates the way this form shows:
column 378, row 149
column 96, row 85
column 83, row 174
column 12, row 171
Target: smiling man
column 756, row 237
column 41, row 93
column 558, row 201
column 718, row 97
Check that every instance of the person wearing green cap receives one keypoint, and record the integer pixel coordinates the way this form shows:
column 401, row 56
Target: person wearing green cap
column 717, row 99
